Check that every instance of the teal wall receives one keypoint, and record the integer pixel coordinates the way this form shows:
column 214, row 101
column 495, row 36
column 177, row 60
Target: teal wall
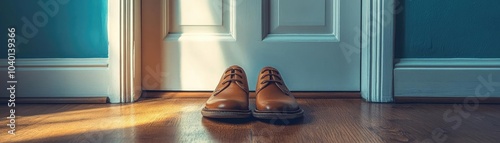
column 448, row 29
column 61, row 28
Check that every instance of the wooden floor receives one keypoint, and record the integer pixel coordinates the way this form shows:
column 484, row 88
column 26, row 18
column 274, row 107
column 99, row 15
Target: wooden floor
column 326, row 120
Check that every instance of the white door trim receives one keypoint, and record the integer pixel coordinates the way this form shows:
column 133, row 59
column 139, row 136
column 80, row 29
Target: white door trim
column 377, row 37
column 124, row 34
column 377, row 47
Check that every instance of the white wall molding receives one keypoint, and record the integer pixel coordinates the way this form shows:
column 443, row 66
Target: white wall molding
column 377, row 37
column 124, row 34
column 59, row 77
column 447, row 77
column 59, row 62
column 447, row 62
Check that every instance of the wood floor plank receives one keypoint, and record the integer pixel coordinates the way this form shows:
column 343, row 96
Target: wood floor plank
column 326, row 120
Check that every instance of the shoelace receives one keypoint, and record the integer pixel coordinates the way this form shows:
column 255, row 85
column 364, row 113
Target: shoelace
column 274, row 76
column 232, row 76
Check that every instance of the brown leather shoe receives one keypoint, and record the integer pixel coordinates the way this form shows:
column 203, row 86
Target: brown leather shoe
column 274, row 100
column 230, row 98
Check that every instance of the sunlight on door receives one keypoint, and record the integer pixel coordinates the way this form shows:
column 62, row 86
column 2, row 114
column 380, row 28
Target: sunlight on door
column 198, row 71
column 199, row 56
column 199, row 12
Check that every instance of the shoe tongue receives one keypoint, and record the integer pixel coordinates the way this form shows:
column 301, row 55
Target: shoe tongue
column 281, row 86
column 237, row 72
column 240, row 78
column 270, row 76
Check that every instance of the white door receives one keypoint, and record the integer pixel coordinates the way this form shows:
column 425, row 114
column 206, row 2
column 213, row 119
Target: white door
column 187, row 44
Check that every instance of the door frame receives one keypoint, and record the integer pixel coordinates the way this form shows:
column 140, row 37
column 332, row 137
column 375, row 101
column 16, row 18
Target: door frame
column 376, row 48
column 124, row 34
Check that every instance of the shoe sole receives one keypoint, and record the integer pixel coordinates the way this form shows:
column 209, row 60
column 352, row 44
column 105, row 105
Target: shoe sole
column 226, row 114
column 278, row 115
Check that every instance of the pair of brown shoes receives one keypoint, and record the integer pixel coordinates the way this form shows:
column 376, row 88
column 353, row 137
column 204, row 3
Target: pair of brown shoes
column 230, row 97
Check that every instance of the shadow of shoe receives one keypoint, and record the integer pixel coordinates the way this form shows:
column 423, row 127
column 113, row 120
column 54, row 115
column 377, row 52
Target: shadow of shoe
column 228, row 120
column 278, row 121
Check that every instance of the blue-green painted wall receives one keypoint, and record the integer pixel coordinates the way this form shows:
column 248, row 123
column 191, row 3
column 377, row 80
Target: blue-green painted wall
column 61, row 28
column 448, row 29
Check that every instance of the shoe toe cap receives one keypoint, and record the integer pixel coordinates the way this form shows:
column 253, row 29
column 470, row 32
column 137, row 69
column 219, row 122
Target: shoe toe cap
column 278, row 106
column 226, row 105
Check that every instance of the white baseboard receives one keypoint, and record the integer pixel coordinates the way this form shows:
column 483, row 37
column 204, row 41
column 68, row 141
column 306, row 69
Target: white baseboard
column 61, row 77
column 447, row 77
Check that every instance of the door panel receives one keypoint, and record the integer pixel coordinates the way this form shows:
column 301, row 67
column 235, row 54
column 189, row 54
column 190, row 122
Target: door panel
column 301, row 21
column 316, row 16
column 198, row 16
column 200, row 38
